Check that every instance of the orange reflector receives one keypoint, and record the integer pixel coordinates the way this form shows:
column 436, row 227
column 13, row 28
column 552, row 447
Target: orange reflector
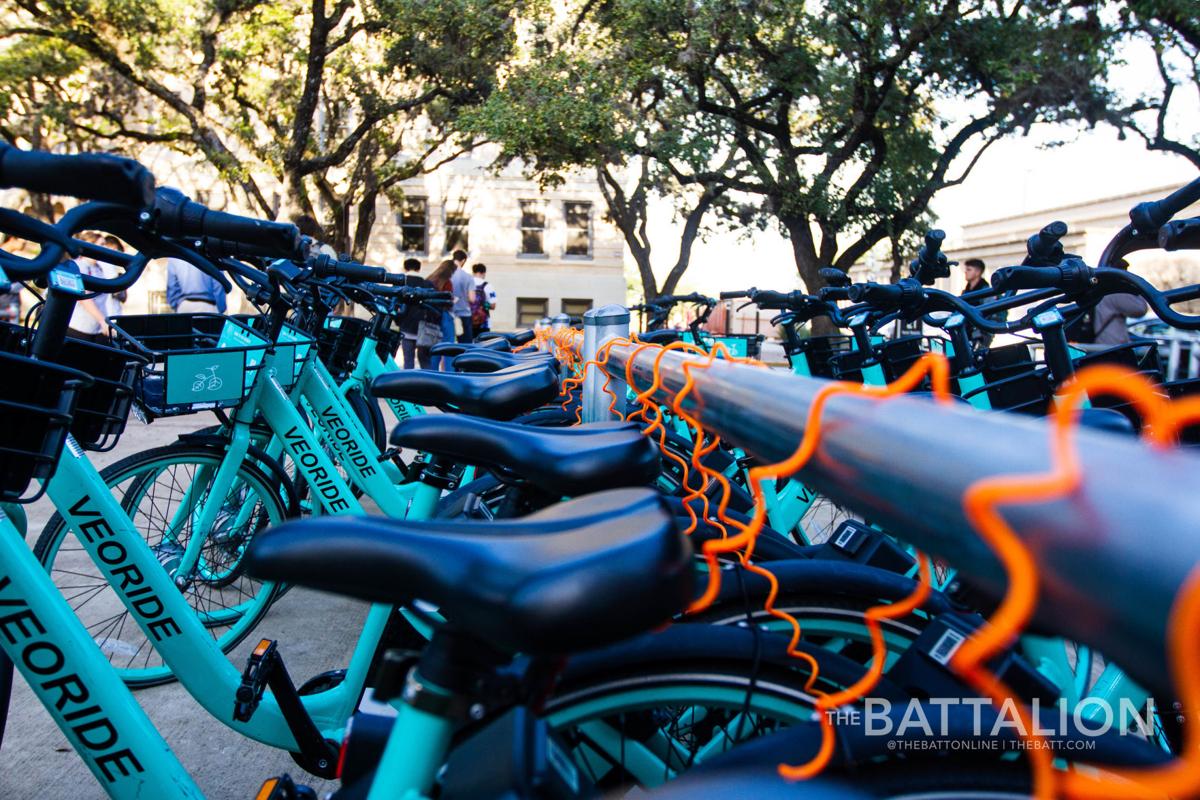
column 261, row 647
column 267, row 788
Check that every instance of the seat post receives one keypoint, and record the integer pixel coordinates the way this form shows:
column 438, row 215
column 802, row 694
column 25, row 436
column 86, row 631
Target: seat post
column 431, row 700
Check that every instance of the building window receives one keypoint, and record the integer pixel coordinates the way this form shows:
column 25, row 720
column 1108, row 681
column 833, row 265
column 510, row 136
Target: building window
column 575, row 307
column 531, row 309
column 414, row 225
column 533, row 228
column 457, row 223
column 579, row 228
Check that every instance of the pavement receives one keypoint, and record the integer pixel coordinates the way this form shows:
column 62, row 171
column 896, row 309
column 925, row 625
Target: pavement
column 316, row 632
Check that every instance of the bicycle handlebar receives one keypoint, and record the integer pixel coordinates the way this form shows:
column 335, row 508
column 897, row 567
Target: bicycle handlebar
column 1182, row 234
column 673, row 299
column 1150, row 216
column 931, row 263
column 1045, row 248
column 324, row 266
column 90, row 176
column 1072, row 276
column 177, row 215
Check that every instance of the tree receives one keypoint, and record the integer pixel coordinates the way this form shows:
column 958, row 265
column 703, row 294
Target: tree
column 581, row 103
column 1172, row 30
column 837, row 115
column 303, row 108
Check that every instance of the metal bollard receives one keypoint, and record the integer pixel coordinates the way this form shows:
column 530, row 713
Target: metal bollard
column 542, row 325
column 599, row 326
column 559, row 322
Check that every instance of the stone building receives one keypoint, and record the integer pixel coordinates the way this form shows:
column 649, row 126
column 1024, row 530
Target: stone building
column 547, row 250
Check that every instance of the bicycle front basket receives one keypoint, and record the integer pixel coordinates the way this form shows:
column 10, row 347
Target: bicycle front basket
column 37, row 406
column 103, row 408
column 293, row 347
column 194, row 361
column 339, row 341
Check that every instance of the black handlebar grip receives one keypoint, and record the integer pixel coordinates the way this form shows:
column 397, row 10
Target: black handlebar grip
column 933, row 244
column 181, row 217
column 834, row 276
column 1181, row 234
column 1153, row 215
column 327, row 267
column 1045, row 245
column 90, row 176
column 1010, row 278
column 735, row 295
column 772, row 300
column 880, row 293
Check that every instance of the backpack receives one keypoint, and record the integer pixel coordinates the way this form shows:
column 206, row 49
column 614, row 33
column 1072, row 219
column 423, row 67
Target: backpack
column 479, row 306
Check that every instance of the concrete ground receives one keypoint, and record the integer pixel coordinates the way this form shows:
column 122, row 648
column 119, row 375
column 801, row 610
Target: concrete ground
column 316, row 633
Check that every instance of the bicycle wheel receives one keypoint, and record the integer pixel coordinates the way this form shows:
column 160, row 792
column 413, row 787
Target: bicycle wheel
column 835, row 624
column 153, row 489
column 651, row 713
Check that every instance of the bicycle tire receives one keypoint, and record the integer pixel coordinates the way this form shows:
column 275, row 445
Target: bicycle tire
column 683, row 699
column 370, row 415
column 138, row 473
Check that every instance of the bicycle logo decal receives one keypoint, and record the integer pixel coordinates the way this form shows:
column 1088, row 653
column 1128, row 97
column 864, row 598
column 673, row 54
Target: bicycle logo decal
column 207, row 380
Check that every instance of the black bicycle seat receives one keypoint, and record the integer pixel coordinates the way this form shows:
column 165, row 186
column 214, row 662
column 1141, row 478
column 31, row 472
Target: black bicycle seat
column 497, row 395
column 663, row 336
column 482, row 360
column 452, row 349
column 576, row 576
column 562, row 461
column 515, row 338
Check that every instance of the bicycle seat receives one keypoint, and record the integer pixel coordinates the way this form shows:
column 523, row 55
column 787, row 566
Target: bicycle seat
column 451, row 349
column 563, row 461
column 514, row 338
column 497, row 395
column 662, row 336
column 575, row 576
column 480, row 360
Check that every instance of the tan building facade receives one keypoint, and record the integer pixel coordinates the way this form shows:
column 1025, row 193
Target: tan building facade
column 1090, row 226
column 547, row 251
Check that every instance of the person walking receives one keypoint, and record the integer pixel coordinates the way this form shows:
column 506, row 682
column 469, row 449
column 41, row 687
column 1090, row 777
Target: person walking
column 114, row 304
column 414, row 348
column 483, row 300
column 89, row 318
column 973, row 271
column 441, row 279
column 190, row 291
column 462, row 285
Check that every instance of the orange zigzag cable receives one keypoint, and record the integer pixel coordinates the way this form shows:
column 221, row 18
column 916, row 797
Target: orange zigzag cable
column 1162, row 420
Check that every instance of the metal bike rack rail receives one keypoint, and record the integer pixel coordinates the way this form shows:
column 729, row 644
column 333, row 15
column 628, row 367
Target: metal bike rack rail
column 1113, row 556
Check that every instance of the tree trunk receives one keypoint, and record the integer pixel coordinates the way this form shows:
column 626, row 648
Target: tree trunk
column 365, row 218
column 809, row 267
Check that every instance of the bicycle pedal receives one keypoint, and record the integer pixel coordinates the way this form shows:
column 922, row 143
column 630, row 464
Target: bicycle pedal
column 284, row 788
column 254, row 680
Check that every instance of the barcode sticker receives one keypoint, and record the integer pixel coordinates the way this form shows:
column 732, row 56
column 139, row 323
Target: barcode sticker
column 74, row 447
column 947, row 645
column 845, row 537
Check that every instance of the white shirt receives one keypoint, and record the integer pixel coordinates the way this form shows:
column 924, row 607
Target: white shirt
column 489, row 293
column 81, row 320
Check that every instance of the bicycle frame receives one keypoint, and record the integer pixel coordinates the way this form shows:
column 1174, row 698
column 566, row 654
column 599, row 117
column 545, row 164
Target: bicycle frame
column 176, row 631
column 369, row 366
column 78, row 687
